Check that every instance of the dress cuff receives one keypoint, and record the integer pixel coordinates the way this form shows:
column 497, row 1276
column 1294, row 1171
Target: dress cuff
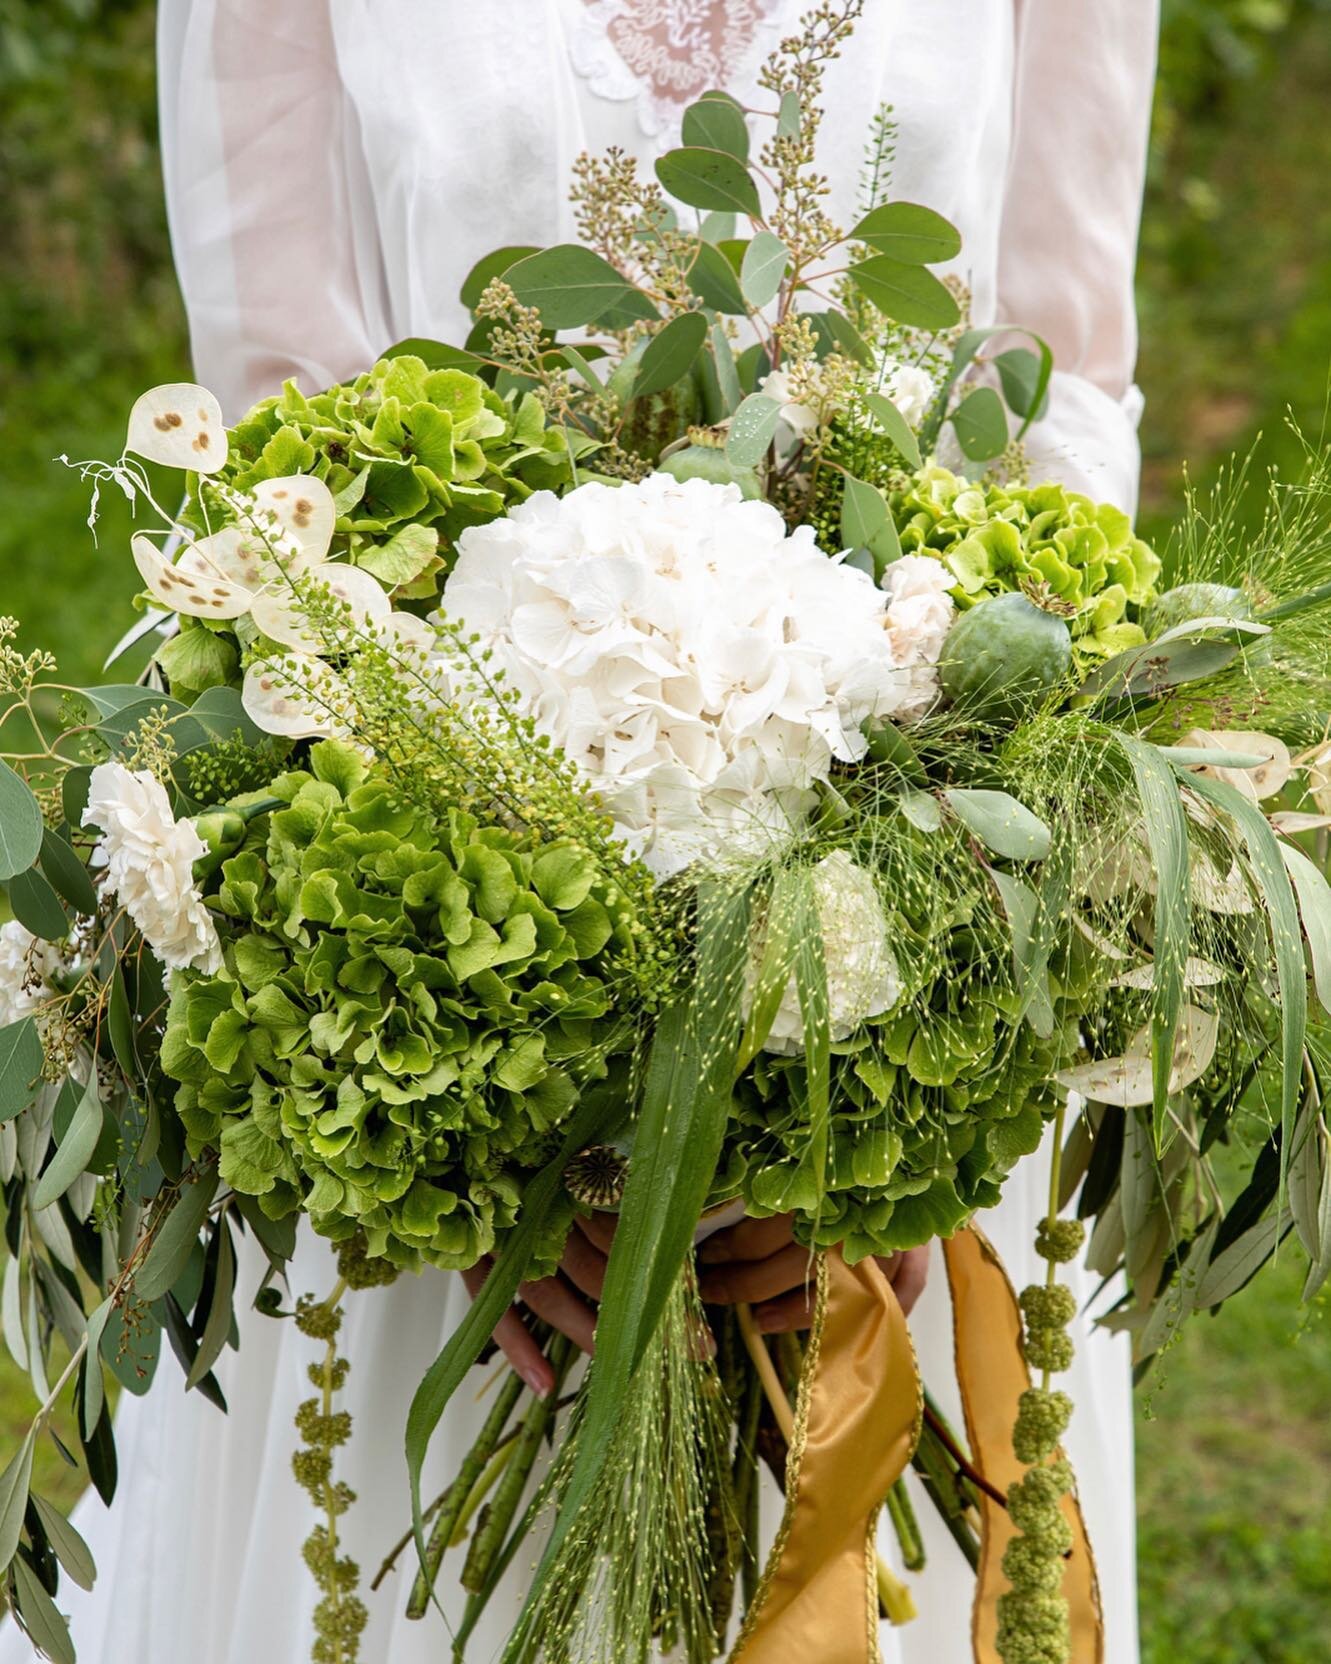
column 1088, row 441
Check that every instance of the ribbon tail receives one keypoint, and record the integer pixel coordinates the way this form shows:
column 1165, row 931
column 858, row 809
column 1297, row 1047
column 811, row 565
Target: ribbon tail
column 992, row 1375
column 856, row 1424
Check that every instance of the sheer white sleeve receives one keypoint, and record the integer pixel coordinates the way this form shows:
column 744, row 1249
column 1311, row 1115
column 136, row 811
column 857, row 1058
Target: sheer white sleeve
column 261, row 164
column 1085, row 70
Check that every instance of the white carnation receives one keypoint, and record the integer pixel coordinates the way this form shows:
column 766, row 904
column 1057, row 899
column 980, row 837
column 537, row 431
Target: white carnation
column 919, row 615
column 862, row 979
column 701, row 666
column 911, row 390
column 150, row 860
column 25, row 964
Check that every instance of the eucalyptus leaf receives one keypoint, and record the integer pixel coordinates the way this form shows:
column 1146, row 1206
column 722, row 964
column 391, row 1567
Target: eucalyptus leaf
column 67, row 873
column 981, row 425
column 716, row 122
column 909, row 233
column 75, row 1149
column 866, row 523
column 1282, row 911
column 895, row 426
column 788, row 115
column 670, row 354
column 717, row 227
column 920, row 809
column 1240, row 1262
column 486, row 269
column 14, row 1483
column 751, row 430
column 834, row 332
column 762, row 269
column 11, row 1309
column 1150, row 671
column 708, row 178
column 1003, row 825
column 568, row 285
column 435, row 355
column 1025, row 382
column 713, row 279
column 1022, row 906
column 37, row 907
column 21, row 1060
column 218, row 1325
column 71, row 1550
column 727, row 376
column 175, row 1238
column 93, row 1395
column 906, row 294
column 21, row 824
column 1308, row 1176
column 41, row 1617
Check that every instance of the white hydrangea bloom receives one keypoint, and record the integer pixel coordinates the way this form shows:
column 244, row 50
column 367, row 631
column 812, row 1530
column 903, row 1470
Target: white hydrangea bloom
column 862, row 979
column 25, row 963
column 919, row 615
column 911, row 390
column 150, row 860
column 700, row 665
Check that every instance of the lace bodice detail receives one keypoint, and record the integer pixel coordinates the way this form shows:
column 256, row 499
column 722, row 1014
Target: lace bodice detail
column 662, row 53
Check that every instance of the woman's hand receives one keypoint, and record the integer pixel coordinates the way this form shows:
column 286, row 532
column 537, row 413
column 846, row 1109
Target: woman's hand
column 758, row 1262
column 558, row 1299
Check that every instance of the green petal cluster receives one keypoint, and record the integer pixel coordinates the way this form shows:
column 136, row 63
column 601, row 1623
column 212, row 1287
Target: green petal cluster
column 1078, row 558
column 407, row 1010
column 412, row 456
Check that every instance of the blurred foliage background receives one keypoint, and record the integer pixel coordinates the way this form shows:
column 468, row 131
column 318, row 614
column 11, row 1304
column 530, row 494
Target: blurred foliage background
column 1234, row 1452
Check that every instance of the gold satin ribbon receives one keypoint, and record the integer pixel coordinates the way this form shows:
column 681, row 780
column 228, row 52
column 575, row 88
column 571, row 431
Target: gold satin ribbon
column 856, row 1424
column 992, row 1375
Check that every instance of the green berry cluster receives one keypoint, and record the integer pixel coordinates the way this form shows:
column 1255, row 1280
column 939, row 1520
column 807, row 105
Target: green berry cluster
column 340, row 1616
column 1033, row 1623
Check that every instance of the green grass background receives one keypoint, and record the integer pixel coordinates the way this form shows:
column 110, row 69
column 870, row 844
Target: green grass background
column 1234, row 1440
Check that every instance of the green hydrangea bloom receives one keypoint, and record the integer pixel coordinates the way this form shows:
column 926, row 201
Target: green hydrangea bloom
column 412, row 456
column 1078, row 558
column 407, row 1012
column 931, row 1104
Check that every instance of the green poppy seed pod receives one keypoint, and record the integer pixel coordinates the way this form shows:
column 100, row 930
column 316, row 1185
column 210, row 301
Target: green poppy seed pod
column 222, row 832
column 704, row 458
column 1002, row 657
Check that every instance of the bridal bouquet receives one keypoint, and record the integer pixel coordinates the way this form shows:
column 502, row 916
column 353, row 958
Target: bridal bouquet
column 664, row 757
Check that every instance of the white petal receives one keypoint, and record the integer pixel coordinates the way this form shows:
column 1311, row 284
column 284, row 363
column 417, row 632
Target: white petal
column 181, row 590
column 281, row 614
column 303, row 506
column 178, row 424
column 291, row 696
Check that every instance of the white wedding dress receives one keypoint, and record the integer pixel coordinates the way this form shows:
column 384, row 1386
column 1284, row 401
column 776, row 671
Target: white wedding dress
column 333, row 169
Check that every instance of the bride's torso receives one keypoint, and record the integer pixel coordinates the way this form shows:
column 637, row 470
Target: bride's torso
column 465, row 118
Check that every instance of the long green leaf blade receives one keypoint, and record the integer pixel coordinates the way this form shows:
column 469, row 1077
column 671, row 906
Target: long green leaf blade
column 1282, row 912
column 1167, row 835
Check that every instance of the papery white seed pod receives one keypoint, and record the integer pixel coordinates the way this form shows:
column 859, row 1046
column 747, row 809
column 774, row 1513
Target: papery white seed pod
column 197, row 594
column 294, row 696
column 179, row 424
column 281, row 614
column 303, row 506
